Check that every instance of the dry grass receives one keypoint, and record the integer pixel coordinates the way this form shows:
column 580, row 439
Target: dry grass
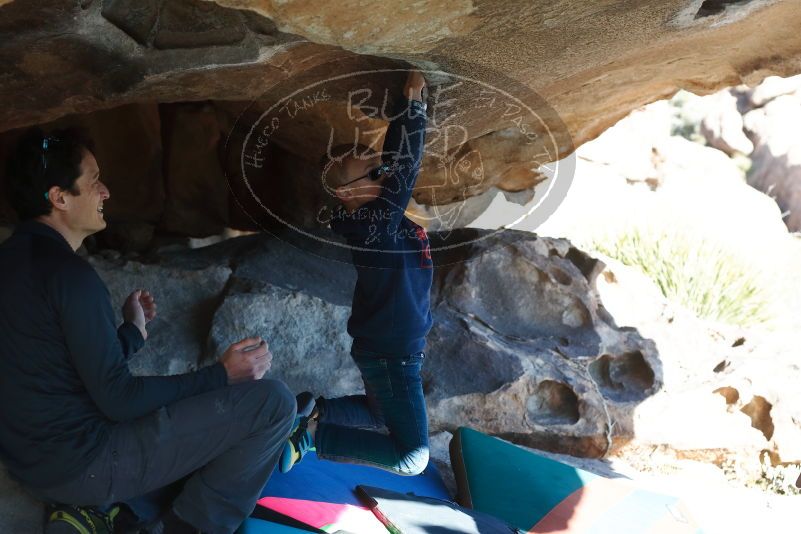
column 694, row 272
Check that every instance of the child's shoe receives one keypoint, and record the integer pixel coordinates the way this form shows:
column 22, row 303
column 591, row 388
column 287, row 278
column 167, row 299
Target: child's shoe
column 299, row 443
column 306, row 406
column 300, row 440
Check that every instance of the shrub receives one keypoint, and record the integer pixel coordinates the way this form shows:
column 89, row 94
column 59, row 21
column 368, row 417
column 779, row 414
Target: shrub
column 694, row 272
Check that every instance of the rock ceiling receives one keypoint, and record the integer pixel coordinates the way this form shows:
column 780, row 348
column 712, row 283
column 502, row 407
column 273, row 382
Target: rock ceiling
column 573, row 67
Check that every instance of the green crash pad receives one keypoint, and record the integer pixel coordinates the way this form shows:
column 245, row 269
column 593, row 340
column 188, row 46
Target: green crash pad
column 537, row 494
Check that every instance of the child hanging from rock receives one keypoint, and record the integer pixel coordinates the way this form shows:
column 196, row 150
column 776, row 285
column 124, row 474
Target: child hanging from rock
column 391, row 312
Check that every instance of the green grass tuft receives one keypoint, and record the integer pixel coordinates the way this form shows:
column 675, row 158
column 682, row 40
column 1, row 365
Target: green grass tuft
column 693, row 272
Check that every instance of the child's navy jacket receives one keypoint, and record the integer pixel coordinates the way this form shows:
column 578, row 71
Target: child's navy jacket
column 391, row 311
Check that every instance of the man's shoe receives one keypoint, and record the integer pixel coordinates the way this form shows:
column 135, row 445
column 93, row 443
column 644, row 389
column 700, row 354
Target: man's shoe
column 300, row 441
column 69, row 519
column 126, row 522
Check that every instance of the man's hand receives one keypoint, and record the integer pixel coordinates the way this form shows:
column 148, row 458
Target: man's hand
column 415, row 84
column 247, row 360
column 139, row 308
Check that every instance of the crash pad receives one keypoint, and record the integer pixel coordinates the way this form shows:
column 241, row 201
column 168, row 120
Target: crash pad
column 259, row 526
column 409, row 514
column 322, row 494
column 538, row 494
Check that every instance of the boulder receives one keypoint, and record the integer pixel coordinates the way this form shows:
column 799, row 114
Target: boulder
column 314, row 267
column 299, row 302
column 506, row 286
column 538, row 361
column 628, row 145
column 757, row 382
column 776, row 160
column 722, row 125
column 726, row 391
column 186, row 300
column 521, row 392
column 773, row 87
column 306, row 335
column 554, row 363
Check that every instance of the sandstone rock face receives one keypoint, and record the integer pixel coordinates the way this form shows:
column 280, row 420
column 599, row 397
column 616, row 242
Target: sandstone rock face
column 590, row 63
column 196, row 188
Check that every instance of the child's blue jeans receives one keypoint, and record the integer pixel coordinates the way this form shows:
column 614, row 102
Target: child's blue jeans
column 347, row 429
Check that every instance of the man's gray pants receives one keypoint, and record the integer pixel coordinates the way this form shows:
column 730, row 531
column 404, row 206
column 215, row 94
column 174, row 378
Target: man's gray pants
column 229, row 440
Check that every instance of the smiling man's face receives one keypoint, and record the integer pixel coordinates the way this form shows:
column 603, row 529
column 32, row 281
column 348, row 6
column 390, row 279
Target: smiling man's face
column 85, row 214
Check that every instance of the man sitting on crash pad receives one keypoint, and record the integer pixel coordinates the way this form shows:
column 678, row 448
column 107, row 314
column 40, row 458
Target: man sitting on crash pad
column 76, row 428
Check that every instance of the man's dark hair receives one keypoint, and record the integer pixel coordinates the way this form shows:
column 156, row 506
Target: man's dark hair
column 40, row 161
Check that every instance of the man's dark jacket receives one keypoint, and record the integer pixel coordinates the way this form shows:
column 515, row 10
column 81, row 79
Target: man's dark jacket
column 64, row 380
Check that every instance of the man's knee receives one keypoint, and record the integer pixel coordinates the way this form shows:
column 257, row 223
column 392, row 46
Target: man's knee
column 279, row 407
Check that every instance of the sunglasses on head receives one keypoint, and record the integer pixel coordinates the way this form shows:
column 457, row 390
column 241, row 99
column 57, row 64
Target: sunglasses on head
column 47, row 143
column 373, row 174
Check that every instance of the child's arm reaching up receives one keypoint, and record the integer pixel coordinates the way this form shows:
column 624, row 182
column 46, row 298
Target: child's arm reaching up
column 403, row 143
